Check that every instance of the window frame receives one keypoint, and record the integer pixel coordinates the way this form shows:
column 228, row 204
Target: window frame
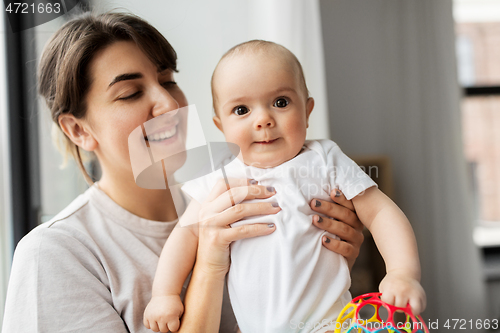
column 23, row 128
column 478, row 90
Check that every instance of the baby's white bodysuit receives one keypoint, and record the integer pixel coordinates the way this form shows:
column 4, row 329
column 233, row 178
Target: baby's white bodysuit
column 288, row 281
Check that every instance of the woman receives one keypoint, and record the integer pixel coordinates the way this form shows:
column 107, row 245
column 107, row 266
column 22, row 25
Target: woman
column 90, row 269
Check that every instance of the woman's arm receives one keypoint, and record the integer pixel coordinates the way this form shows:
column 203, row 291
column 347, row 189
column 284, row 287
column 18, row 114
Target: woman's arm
column 343, row 222
column 203, row 299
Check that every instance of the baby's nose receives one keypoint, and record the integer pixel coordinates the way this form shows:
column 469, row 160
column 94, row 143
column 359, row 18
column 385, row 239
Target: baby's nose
column 264, row 120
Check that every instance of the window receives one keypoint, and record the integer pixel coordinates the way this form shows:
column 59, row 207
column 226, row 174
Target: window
column 478, row 54
column 58, row 186
column 32, row 188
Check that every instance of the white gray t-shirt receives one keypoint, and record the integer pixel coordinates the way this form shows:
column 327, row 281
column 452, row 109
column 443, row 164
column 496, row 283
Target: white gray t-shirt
column 288, row 281
column 89, row 269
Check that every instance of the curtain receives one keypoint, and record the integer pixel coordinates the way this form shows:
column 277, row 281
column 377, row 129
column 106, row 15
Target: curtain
column 393, row 89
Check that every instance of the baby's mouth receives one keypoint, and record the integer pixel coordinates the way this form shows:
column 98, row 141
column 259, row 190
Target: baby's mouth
column 266, row 142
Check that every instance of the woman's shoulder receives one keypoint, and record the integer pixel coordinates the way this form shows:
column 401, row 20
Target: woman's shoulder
column 58, row 272
column 67, row 227
column 70, row 211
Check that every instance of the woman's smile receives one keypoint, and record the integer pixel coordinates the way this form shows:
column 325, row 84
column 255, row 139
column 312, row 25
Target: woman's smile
column 167, row 134
column 166, row 137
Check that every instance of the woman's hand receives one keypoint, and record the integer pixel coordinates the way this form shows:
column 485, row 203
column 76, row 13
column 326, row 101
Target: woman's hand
column 224, row 207
column 341, row 221
column 204, row 294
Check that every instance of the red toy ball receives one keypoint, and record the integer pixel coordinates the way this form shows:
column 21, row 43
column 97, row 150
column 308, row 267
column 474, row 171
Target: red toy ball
column 351, row 317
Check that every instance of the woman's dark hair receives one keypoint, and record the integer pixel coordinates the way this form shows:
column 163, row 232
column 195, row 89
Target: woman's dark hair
column 63, row 75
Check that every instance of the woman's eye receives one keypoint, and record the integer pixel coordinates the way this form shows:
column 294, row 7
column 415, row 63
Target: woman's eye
column 132, row 96
column 281, row 103
column 240, row 110
column 169, row 83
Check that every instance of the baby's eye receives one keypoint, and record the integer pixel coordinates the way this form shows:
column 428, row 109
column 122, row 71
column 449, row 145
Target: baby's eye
column 240, row 110
column 281, row 102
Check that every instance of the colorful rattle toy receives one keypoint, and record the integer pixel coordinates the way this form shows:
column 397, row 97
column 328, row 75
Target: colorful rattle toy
column 349, row 319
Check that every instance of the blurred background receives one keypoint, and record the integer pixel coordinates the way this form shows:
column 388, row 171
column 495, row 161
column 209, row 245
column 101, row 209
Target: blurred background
column 410, row 87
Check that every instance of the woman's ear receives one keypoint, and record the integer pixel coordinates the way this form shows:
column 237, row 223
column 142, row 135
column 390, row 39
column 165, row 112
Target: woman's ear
column 77, row 132
column 217, row 123
column 309, row 108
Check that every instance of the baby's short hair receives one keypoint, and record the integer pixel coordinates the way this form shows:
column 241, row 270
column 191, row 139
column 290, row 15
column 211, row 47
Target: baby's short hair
column 262, row 45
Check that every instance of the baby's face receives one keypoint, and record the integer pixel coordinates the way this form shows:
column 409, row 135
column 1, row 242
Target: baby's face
column 261, row 107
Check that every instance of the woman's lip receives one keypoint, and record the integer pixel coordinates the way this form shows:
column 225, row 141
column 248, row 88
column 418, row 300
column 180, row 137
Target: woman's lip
column 161, row 123
column 162, row 131
column 165, row 141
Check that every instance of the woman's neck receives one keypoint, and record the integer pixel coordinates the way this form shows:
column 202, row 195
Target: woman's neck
column 156, row 205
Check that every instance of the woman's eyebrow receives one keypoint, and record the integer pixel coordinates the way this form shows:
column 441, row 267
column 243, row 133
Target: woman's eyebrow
column 123, row 77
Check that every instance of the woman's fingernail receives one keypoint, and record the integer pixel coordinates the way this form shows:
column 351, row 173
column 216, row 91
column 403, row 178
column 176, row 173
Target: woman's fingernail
column 252, row 182
column 327, row 240
column 270, row 189
column 320, row 219
column 317, row 204
column 337, row 193
column 275, row 204
column 271, row 225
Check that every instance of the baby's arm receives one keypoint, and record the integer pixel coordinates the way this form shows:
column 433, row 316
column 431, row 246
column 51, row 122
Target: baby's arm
column 396, row 242
column 176, row 261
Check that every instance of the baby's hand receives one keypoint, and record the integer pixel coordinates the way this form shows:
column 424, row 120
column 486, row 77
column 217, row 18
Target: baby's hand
column 399, row 289
column 163, row 312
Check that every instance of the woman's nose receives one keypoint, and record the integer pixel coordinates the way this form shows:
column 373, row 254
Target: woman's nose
column 264, row 119
column 163, row 102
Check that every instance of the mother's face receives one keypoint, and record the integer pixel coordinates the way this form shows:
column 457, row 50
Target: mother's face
column 126, row 91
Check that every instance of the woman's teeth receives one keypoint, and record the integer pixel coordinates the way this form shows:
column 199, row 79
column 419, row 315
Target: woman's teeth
column 163, row 135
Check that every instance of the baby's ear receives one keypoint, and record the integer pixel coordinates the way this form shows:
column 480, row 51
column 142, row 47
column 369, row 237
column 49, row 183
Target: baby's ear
column 217, row 123
column 309, row 108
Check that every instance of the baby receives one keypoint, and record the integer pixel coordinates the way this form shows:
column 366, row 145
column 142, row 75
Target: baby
column 286, row 281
